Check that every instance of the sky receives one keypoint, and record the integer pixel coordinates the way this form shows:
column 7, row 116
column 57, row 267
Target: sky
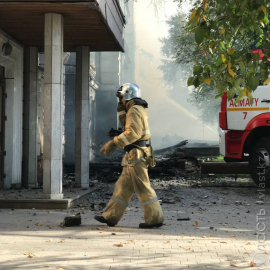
column 166, row 116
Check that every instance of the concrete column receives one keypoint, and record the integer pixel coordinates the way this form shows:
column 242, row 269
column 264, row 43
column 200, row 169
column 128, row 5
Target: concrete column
column 53, row 106
column 106, row 101
column 82, row 117
column 30, row 117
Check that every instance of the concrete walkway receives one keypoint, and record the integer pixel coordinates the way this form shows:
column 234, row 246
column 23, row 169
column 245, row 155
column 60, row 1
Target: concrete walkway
column 222, row 234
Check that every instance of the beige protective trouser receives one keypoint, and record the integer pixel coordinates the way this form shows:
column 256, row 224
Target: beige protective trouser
column 134, row 178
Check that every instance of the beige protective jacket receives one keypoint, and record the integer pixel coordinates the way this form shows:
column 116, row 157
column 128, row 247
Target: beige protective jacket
column 135, row 123
column 134, row 176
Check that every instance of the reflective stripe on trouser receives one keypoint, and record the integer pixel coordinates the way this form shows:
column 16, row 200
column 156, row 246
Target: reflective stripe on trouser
column 134, row 178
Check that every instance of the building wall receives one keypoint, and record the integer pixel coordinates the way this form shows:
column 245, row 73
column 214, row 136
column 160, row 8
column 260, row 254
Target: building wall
column 114, row 70
column 70, row 76
column 128, row 58
column 104, row 81
column 106, row 101
column 13, row 126
column 70, row 81
column 40, row 101
column 108, row 70
column 40, row 137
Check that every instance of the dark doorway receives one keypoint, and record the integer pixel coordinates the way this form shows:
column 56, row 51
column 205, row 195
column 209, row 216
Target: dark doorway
column 2, row 124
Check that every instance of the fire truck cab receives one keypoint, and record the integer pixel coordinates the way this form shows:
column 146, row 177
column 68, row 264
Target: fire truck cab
column 246, row 133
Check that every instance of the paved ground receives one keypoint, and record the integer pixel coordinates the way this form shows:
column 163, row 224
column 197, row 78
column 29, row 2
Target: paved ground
column 221, row 234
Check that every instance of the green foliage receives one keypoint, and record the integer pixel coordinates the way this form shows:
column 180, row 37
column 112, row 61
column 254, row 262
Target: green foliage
column 179, row 48
column 224, row 32
column 204, row 99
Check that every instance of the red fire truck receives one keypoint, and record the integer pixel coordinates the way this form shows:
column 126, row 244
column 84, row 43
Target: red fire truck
column 246, row 133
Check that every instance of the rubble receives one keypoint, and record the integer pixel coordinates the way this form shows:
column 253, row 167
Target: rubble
column 182, row 217
column 238, row 203
column 71, row 221
column 193, row 149
column 170, row 162
column 260, row 202
column 178, row 161
column 97, row 207
column 168, row 201
column 170, row 149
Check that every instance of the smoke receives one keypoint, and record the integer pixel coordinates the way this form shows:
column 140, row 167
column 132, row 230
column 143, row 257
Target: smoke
column 170, row 113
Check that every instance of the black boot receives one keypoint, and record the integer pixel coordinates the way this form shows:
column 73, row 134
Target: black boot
column 145, row 226
column 103, row 220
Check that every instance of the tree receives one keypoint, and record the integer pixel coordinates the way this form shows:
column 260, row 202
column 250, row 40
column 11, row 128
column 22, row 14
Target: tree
column 179, row 48
column 220, row 28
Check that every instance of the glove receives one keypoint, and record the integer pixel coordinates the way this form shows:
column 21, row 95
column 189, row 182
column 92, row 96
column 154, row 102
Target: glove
column 120, row 97
column 108, row 148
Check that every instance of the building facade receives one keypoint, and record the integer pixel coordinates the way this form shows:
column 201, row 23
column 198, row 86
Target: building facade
column 11, row 86
column 32, row 99
column 108, row 70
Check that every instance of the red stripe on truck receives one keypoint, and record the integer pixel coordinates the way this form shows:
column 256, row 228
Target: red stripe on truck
column 258, row 121
column 223, row 112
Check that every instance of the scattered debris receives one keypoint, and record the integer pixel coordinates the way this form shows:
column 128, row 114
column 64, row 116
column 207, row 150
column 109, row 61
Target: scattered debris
column 182, row 216
column 171, row 148
column 194, row 204
column 168, row 201
column 260, row 202
column 175, row 161
column 31, row 255
column 71, row 221
column 97, row 207
column 238, row 203
column 119, row 245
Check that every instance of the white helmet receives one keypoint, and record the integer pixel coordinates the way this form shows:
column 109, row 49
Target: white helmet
column 129, row 91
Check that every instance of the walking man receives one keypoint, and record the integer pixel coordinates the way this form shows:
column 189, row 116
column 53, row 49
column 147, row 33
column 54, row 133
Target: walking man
column 139, row 155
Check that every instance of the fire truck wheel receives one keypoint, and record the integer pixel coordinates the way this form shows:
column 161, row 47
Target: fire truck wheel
column 259, row 162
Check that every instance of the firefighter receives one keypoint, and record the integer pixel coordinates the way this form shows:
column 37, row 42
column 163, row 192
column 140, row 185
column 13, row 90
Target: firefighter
column 139, row 155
